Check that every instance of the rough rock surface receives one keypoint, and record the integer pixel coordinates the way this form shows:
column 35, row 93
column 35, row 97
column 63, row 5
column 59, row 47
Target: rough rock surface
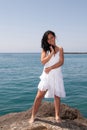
column 71, row 119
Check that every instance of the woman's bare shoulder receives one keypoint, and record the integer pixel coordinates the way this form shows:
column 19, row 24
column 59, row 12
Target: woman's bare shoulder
column 43, row 53
column 60, row 48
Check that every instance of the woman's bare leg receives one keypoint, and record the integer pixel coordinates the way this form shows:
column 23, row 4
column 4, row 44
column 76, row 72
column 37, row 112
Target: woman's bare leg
column 37, row 102
column 57, row 108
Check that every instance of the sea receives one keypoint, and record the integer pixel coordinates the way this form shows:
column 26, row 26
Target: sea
column 19, row 78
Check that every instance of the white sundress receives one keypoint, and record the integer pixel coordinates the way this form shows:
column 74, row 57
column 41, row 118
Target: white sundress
column 53, row 81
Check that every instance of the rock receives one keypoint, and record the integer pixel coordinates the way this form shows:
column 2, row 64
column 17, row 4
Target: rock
column 71, row 119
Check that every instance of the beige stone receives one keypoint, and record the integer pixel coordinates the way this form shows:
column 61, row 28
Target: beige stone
column 71, row 119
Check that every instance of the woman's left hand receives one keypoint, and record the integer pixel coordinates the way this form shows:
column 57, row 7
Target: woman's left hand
column 47, row 70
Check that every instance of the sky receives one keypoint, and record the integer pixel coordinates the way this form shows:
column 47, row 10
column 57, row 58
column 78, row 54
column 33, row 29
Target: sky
column 23, row 23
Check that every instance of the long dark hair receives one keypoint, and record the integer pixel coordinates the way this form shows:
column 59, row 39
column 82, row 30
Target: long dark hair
column 44, row 44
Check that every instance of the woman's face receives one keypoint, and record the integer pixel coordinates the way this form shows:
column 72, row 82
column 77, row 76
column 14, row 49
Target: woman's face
column 51, row 39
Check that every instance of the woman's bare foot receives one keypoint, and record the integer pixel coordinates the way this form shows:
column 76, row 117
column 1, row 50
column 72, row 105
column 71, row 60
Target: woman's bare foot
column 58, row 119
column 31, row 120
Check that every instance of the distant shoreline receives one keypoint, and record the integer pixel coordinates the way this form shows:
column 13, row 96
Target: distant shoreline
column 40, row 52
column 75, row 52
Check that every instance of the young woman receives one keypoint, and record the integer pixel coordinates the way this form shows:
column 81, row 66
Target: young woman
column 51, row 83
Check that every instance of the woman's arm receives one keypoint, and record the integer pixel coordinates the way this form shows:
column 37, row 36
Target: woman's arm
column 59, row 63
column 45, row 58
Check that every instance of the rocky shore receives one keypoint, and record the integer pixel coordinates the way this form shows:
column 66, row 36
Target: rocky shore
column 71, row 119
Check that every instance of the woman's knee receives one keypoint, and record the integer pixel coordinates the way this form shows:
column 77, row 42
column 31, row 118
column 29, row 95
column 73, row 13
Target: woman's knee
column 40, row 95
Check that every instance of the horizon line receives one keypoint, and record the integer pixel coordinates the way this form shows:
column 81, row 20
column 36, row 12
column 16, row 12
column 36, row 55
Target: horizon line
column 40, row 52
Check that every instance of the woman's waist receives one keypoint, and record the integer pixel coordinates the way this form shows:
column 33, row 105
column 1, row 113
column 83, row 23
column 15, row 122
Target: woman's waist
column 55, row 69
column 54, row 72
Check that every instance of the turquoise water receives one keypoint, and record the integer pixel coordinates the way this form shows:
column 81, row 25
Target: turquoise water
column 19, row 77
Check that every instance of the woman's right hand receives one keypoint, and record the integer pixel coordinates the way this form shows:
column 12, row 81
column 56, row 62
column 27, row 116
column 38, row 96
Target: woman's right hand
column 44, row 57
column 52, row 50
